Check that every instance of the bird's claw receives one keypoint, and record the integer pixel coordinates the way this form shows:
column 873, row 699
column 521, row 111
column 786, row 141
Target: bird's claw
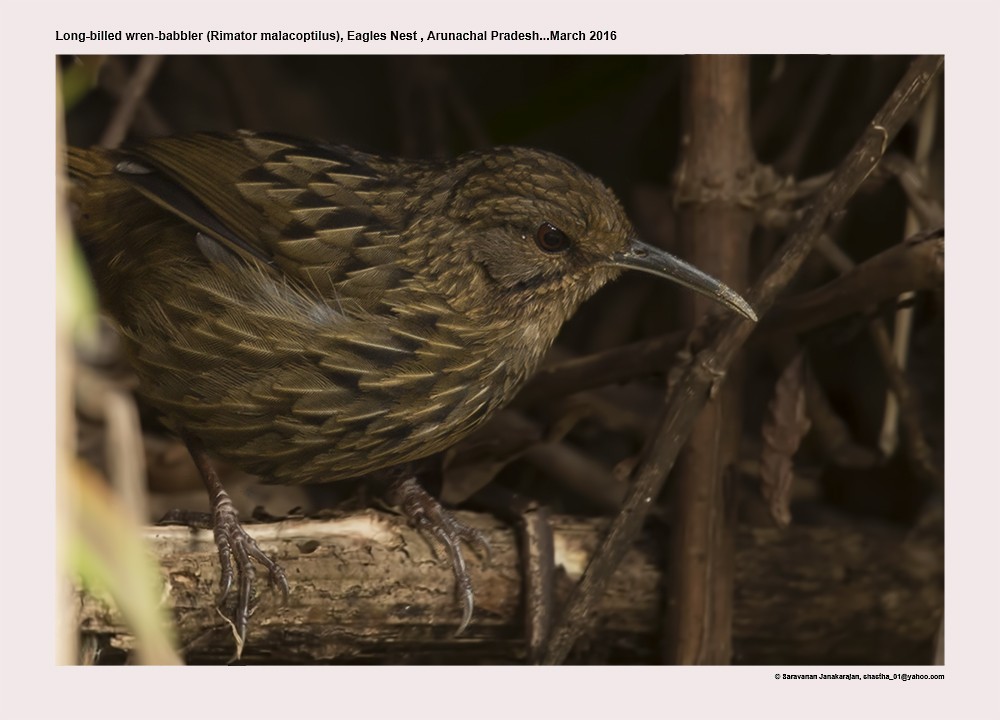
column 428, row 516
column 237, row 553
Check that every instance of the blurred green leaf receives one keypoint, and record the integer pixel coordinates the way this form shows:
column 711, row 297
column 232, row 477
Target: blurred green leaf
column 105, row 550
column 80, row 78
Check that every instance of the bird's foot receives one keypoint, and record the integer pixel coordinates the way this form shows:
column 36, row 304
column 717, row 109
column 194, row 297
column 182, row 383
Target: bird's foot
column 428, row 516
column 237, row 553
column 236, row 548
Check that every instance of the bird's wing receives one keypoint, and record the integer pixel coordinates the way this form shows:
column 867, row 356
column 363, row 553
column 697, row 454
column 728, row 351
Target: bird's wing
column 320, row 214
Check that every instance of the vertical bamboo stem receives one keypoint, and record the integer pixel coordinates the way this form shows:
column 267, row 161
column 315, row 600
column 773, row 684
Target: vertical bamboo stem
column 716, row 169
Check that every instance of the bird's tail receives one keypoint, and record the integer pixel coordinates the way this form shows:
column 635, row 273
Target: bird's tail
column 87, row 165
column 92, row 187
column 93, row 196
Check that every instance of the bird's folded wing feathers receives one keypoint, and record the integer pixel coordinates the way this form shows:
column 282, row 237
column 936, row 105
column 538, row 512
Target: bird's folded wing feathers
column 310, row 211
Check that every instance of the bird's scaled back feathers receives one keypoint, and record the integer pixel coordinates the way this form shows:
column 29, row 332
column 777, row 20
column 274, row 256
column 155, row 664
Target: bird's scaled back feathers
column 312, row 312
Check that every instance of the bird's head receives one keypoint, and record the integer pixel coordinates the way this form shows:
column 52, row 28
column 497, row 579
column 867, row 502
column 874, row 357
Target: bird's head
column 530, row 227
column 528, row 232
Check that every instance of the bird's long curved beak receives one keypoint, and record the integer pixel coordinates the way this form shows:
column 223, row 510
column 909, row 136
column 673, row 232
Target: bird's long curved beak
column 640, row 256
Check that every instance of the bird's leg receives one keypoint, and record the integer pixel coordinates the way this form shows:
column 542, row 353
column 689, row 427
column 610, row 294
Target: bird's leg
column 428, row 516
column 234, row 544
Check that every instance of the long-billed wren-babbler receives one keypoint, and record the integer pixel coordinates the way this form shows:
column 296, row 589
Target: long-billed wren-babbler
column 312, row 313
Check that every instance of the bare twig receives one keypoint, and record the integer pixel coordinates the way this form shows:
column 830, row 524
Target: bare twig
column 538, row 553
column 913, row 179
column 822, row 90
column 789, row 79
column 919, row 449
column 917, row 446
column 133, row 92
column 834, row 434
column 604, row 368
column 692, row 393
column 114, row 78
column 939, row 645
column 903, row 326
column 578, row 473
column 917, row 264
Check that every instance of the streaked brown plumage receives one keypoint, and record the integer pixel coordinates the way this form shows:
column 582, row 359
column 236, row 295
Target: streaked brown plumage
column 313, row 313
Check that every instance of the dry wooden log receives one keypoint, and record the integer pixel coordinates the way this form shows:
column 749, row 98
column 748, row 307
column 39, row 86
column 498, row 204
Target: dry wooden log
column 366, row 588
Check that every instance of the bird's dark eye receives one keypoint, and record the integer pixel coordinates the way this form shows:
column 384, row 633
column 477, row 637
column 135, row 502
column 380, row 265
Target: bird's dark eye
column 551, row 239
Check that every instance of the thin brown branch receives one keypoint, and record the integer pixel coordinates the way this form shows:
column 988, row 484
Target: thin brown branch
column 132, row 94
column 921, row 455
column 913, row 180
column 114, row 78
column 577, row 473
column 918, row 449
column 788, row 79
column 835, row 436
column 538, row 560
column 903, row 325
column 691, row 394
column 917, row 264
column 603, row 368
column 811, row 115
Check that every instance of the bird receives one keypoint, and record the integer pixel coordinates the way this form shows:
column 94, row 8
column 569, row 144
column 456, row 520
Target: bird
column 310, row 312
